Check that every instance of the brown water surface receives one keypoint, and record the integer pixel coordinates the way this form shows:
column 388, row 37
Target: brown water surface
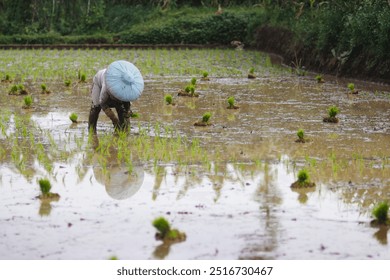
column 236, row 204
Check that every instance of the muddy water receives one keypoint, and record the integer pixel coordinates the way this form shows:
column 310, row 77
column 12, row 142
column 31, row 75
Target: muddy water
column 237, row 205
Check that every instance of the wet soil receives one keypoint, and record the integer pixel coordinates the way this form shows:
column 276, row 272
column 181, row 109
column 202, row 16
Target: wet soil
column 237, row 204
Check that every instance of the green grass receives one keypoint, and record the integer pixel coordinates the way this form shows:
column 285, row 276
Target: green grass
column 381, row 211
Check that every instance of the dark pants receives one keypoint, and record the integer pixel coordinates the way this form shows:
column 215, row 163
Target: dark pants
column 122, row 109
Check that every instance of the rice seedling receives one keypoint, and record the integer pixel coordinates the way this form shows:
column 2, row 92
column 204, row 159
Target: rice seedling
column 303, row 180
column 351, row 87
column 27, row 101
column 205, row 76
column 301, row 136
column 205, row 120
column 165, row 233
column 73, row 117
column 332, row 112
column 67, row 82
column 13, row 90
column 45, row 187
column 251, row 74
column 169, row 99
column 319, row 79
column 380, row 212
column 44, row 89
column 231, row 103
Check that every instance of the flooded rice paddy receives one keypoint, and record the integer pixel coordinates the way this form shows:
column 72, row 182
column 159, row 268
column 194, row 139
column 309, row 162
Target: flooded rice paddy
column 226, row 185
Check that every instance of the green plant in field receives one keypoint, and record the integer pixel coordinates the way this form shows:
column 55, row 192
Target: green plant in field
column 333, row 111
column 351, row 87
column 193, row 81
column 28, row 101
column 301, row 136
column 13, row 90
column 73, row 117
column 231, row 103
column 205, row 74
column 319, row 79
column 168, row 99
column 380, row 212
column 67, row 82
column 206, row 117
column 252, row 70
column 44, row 89
column 162, row 226
column 82, row 77
column 165, row 233
column 7, row 78
column 134, row 115
column 190, row 89
column 303, row 176
column 303, row 180
column 45, row 186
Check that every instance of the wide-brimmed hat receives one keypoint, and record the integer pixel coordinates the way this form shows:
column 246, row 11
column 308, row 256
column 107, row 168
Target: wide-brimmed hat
column 124, row 81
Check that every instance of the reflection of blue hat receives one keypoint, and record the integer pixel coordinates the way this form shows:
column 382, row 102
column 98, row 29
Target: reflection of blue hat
column 124, row 81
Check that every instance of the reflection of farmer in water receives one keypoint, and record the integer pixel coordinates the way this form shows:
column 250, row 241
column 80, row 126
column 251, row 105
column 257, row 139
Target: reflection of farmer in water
column 115, row 87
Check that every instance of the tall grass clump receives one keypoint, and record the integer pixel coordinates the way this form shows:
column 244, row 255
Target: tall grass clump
column 380, row 212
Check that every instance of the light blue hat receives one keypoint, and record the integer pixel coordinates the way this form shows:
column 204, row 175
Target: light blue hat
column 124, row 81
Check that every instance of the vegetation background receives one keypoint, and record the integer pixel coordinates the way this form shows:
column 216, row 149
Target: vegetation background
column 335, row 36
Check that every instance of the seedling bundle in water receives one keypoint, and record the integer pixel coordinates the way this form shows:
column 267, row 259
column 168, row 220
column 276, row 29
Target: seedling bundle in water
column 319, row 79
column 165, row 233
column 251, row 74
column 380, row 212
column 231, row 103
column 332, row 112
column 351, row 87
column 73, row 117
column 169, row 99
column 205, row 120
column 303, row 180
column 27, row 101
column 45, row 187
column 189, row 90
column 205, row 76
column 44, row 89
column 301, row 136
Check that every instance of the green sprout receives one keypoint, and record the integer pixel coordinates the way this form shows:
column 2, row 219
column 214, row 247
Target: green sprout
column 205, row 74
column 333, row 111
column 206, row 117
column 28, row 100
column 252, row 70
column 162, row 226
column 44, row 87
column 7, row 77
column 83, row 77
column 303, row 176
column 231, row 102
column 73, row 117
column 319, row 79
column 351, row 86
column 193, row 81
column 165, row 232
column 14, row 89
column 21, row 87
column 168, row 99
column 301, row 134
column 45, row 186
column 190, row 89
column 67, row 82
column 380, row 212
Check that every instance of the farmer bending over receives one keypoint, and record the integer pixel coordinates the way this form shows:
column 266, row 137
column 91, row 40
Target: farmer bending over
column 115, row 87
